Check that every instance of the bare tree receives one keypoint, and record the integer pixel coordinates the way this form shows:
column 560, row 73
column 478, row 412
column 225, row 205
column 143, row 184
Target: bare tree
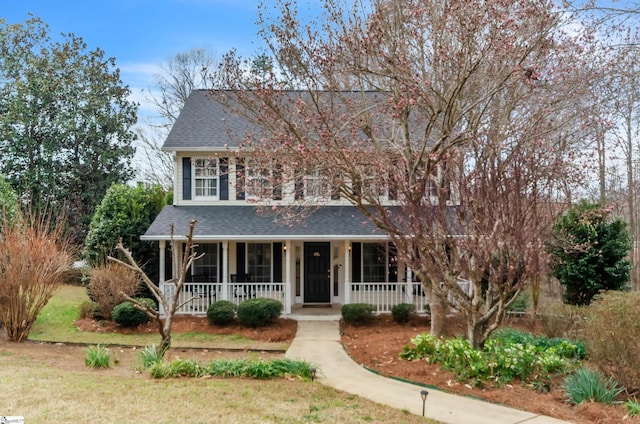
column 179, row 75
column 461, row 114
column 169, row 303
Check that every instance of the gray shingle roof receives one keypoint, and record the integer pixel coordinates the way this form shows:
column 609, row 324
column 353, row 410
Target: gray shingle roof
column 205, row 123
column 238, row 222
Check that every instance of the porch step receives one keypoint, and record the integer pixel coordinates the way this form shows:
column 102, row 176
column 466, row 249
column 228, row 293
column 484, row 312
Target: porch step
column 317, row 305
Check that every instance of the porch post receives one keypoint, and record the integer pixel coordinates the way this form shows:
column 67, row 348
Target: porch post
column 225, row 270
column 347, row 272
column 287, row 276
column 163, row 248
column 409, row 285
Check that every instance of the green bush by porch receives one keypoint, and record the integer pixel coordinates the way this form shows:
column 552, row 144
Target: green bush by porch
column 258, row 312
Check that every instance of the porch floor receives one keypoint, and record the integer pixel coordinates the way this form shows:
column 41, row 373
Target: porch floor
column 331, row 312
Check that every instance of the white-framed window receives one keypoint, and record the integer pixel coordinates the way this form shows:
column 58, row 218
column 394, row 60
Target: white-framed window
column 259, row 180
column 374, row 262
column 206, row 178
column 259, row 261
column 316, row 186
column 206, row 267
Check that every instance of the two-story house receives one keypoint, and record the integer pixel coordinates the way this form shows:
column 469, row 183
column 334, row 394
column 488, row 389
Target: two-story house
column 332, row 257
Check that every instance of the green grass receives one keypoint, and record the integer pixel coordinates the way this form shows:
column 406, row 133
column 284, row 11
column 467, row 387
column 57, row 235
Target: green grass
column 43, row 394
column 56, row 323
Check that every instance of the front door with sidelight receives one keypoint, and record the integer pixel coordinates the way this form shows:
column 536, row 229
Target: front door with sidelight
column 317, row 273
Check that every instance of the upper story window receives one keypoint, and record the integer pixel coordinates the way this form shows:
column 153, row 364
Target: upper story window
column 206, row 178
column 315, row 185
column 262, row 181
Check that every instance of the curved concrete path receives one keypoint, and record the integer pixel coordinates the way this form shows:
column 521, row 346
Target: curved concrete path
column 318, row 342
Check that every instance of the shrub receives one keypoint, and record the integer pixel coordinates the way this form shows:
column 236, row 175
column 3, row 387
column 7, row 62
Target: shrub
column 87, row 309
column 521, row 302
column 611, row 336
column 358, row 313
column 127, row 315
column 258, row 312
column 34, row 256
column 590, row 386
column 402, row 312
column 589, row 252
column 97, row 357
column 124, row 213
column 562, row 320
column 503, row 358
column 221, row 312
column 108, row 285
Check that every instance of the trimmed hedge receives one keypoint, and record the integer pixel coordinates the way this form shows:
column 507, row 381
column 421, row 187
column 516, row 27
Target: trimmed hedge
column 358, row 313
column 402, row 312
column 127, row 315
column 221, row 312
column 258, row 312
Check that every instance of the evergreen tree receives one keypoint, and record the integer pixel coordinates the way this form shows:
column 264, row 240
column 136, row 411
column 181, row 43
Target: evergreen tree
column 589, row 252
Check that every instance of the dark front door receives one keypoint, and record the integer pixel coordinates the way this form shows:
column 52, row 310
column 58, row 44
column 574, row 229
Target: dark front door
column 317, row 271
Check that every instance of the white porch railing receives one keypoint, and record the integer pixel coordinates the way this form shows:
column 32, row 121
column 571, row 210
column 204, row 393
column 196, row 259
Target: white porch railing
column 385, row 296
column 195, row 298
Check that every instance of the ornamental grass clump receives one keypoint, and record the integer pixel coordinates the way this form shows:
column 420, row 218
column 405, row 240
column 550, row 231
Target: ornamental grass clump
column 149, row 356
column 229, row 368
column 586, row 385
column 97, row 357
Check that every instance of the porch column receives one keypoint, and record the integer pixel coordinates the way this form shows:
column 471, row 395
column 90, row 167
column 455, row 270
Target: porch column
column 287, row 276
column 409, row 285
column 347, row 272
column 225, row 270
column 163, row 248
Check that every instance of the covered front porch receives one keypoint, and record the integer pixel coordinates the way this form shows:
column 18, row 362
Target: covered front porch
column 331, row 259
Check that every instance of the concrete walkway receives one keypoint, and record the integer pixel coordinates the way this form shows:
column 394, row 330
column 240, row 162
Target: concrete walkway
column 318, row 342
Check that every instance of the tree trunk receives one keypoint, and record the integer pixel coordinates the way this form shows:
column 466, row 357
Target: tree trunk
column 164, row 327
column 438, row 309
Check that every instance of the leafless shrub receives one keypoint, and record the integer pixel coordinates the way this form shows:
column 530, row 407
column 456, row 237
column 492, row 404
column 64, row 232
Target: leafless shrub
column 109, row 286
column 561, row 320
column 34, row 256
column 611, row 337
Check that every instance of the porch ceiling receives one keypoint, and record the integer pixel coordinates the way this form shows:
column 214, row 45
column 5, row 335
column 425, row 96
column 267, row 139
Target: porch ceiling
column 245, row 222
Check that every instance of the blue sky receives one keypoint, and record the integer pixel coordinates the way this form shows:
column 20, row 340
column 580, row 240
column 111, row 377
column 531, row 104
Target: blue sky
column 141, row 34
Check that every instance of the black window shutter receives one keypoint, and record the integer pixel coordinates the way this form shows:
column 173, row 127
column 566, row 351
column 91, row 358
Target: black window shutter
column 186, row 178
column 298, row 185
column 241, row 258
column 277, row 182
column 277, row 262
column 224, row 178
column 356, row 262
column 240, row 179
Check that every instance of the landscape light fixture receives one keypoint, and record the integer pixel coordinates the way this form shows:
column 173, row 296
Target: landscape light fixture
column 423, row 395
column 312, row 373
